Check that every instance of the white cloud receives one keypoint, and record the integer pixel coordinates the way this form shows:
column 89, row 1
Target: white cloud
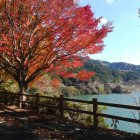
column 110, row 1
column 104, row 20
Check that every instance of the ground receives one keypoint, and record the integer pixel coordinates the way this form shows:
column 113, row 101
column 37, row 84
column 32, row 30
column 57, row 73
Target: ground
column 25, row 125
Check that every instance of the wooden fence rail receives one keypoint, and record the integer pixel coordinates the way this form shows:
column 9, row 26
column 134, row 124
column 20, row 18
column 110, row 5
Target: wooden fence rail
column 61, row 100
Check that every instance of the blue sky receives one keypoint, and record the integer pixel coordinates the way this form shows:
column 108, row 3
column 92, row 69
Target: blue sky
column 123, row 44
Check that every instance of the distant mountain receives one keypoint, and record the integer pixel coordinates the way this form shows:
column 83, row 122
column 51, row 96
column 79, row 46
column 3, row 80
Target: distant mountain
column 106, row 71
column 117, row 65
column 123, row 66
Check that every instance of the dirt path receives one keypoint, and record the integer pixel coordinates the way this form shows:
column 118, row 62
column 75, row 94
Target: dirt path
column 17, row 124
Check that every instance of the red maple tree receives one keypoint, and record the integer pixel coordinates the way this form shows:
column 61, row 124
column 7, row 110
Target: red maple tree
column 53, row 36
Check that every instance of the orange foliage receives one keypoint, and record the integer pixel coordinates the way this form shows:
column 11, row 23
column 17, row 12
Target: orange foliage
column 53, row 36
column 84, row 75
column 55, row 83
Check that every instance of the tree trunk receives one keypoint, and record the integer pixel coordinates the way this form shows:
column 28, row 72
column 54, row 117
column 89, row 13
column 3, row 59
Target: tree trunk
column 23, row 90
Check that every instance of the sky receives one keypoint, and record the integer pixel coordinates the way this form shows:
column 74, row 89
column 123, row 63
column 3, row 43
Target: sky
column 123, row 44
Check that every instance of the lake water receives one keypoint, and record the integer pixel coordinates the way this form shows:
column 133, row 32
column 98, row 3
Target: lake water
column 126, row 99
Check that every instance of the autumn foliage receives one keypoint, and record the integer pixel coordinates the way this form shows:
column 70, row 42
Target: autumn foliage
column 52, row 36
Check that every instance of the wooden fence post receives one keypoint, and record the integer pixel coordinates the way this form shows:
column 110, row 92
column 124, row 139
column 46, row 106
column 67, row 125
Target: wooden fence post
column 95, row 109
column 5, row 97
column 61, row 110
column 37, row 102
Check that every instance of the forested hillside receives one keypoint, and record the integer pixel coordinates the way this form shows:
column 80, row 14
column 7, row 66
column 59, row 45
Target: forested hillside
column 112, row 72
column 109, row 77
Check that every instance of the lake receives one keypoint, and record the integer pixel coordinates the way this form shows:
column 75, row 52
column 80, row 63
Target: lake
column 126, row 99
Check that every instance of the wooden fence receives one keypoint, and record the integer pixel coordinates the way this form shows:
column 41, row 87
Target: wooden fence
column 61, row 108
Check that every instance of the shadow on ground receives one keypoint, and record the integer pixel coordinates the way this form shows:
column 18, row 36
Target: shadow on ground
column 18, row 124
